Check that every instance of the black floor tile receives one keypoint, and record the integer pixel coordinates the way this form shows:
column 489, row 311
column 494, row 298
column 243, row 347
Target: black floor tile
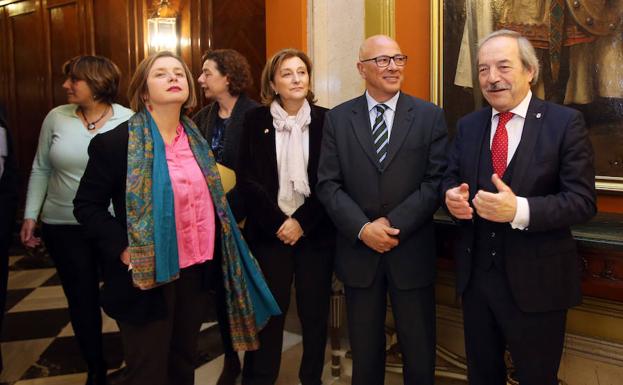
column 63, row 357
column 29, row 325
column 16, row 295
column 209, row 345
column 33, row 261
column 53, row 281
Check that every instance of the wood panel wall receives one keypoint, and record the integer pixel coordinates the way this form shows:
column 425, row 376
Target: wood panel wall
column 38, row 36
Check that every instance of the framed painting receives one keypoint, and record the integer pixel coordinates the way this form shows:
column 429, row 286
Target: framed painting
column 586, row 73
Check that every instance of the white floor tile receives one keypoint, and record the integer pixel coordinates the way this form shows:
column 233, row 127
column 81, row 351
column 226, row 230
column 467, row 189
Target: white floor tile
column 28, row 279
column 42, row 298
column 19, row 356
column 68, row 379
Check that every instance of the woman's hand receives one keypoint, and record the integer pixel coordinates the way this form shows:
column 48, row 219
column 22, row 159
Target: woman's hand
column 290, row 231
column 27, row 234
column 125, row 257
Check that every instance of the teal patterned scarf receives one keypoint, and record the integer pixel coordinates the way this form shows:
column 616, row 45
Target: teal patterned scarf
column 249, row 301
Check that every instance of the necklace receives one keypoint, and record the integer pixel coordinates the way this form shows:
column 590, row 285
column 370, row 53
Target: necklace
column 91, row 125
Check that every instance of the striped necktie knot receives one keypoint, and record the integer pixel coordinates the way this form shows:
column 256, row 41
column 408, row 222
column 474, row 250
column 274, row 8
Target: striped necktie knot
column 380, row 133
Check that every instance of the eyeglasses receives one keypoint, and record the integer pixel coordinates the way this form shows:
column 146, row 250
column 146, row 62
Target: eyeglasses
column 384, row 60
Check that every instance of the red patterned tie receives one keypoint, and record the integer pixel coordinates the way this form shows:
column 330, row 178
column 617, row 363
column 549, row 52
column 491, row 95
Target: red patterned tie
column 499, row 146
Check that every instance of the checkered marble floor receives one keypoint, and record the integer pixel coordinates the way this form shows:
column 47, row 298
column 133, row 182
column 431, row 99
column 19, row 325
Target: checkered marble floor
column 39, row 348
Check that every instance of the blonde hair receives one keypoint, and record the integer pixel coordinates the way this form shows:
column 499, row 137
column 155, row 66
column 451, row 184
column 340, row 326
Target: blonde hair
column 267, row 93
column 137, row 88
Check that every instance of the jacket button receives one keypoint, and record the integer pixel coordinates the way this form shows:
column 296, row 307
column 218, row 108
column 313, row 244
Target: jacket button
column 493, row 235
column 493, row 253
column 469, row 250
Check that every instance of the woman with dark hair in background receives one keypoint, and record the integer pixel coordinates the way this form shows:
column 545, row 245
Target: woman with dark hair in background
column 224, row 78
column 91, row 84
column 287, row 228
column 171, row 219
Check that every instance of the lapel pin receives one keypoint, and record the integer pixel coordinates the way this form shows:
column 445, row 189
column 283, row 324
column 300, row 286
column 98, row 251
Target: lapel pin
column 266, row 131
column 538, row 115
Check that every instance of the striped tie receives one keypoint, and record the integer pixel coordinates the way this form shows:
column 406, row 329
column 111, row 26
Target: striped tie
column 380, row 133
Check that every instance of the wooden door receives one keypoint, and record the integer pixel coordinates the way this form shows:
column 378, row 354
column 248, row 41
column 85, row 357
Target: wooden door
column 66, row 26
column 27, row 79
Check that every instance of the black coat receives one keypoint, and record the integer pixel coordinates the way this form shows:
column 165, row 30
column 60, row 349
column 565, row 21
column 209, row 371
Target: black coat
column 205, row 120
column 553, row 169
column 258, row 180
column 104, row 180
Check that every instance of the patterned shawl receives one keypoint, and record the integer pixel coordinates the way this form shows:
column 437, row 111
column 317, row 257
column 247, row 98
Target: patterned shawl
column 249, row 301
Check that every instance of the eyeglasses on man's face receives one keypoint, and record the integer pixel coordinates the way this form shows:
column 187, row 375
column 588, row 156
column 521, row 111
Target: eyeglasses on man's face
column 384, row 60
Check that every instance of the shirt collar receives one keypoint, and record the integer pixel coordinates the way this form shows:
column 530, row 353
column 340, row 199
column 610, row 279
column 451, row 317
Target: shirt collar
column 521, row 109
column 391, row 103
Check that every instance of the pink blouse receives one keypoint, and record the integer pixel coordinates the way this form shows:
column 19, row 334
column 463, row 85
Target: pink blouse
column 194, row 210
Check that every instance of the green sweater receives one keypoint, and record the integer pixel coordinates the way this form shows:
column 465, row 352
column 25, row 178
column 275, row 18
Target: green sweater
column 60, row 162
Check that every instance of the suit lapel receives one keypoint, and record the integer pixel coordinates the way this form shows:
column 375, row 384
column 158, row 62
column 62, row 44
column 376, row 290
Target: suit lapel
column 315, row 137
column 401, row 126
column 360, row 124
column 472, row 157
column 531, row 128
column 268, row 143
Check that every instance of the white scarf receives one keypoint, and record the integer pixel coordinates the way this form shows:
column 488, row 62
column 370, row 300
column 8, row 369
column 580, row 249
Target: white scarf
column 293, row 181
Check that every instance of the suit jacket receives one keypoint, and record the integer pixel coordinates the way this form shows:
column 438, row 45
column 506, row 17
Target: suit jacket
column 205, row 119
column 9, row 184
column 104, row 180
column 553, row 169
column 258, row 180
column 355, row 189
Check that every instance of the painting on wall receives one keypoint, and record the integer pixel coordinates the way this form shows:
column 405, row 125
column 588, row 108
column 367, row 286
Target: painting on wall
column 580, row 48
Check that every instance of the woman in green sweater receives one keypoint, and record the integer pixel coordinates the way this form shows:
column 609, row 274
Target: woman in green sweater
column 91, row 85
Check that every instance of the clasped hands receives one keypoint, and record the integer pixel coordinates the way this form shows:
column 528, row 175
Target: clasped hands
column 379, row 235
column 290, row 231
column 496, row 207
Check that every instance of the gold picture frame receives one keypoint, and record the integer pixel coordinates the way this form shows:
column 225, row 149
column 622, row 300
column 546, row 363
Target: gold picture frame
column 448, row 36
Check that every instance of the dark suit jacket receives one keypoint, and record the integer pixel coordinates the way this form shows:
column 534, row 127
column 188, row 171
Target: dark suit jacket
column 204, row 119
column 104, row 180
column 553, row 169
column 9, row 181
column 355, row 189
column 258, row 181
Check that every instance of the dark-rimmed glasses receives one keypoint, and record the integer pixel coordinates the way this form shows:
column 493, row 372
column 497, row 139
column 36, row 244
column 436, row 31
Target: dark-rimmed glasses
column 384, row 60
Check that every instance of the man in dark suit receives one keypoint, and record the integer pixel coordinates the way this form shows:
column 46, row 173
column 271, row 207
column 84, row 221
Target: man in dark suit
column 381, row 163
column 525, row 165
column 8, row 207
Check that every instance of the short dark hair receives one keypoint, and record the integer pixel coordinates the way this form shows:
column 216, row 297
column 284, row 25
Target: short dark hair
column 271, row 67
column 100, row 73
column 234, row 65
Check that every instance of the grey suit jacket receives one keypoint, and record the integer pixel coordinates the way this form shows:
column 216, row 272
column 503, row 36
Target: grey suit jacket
column 355, row 189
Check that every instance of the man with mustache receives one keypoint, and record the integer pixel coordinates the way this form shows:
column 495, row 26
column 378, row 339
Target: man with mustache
column 382, row 159
column 520, row 173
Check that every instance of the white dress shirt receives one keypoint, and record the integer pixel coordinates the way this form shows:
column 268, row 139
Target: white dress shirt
column 389, row 112
column 514, row 127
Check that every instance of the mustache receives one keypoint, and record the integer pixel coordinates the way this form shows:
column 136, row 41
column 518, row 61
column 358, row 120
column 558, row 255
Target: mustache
column 498, row 87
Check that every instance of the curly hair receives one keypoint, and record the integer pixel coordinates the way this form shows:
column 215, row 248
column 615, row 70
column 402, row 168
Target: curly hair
column 234, row 66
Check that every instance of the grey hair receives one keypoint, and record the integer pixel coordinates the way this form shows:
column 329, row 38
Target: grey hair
column 527, row 55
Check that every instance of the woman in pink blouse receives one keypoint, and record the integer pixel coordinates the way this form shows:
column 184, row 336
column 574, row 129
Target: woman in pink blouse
column 171, row 217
